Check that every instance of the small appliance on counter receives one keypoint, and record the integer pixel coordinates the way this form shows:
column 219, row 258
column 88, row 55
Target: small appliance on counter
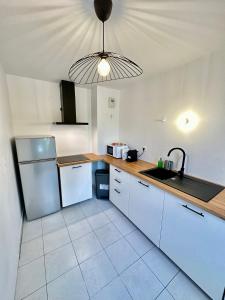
column 132, row 155
column 116, row 149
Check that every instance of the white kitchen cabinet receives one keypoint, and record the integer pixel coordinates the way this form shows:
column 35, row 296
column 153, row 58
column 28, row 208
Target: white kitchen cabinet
column 146, row 208
column 76, row 183
column 119, row 189
column 195, row 241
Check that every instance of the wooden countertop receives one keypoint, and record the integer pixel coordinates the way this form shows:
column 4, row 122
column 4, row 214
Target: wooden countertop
column 215, row 206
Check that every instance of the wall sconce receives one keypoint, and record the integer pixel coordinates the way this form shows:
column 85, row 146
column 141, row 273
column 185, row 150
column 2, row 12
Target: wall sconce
column 187, row 121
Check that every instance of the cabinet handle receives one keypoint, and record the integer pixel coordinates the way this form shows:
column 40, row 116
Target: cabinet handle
column 118, row 192
column 117, row 180
column 117, row 170
column 77, row 167
column 196, row 212
column 143, row 184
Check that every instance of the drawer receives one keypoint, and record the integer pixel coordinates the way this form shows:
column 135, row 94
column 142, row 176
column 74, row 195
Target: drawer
column 119, row 195
column 118, row 175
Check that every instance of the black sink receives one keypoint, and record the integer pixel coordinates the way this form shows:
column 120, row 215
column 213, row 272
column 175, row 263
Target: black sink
column 159, row 173
column 195, row 187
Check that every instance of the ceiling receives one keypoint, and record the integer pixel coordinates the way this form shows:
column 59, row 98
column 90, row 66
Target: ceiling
column 41, row 39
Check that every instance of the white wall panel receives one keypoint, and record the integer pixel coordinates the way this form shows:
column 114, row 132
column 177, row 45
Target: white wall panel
column 198, row 86
column 10, row 214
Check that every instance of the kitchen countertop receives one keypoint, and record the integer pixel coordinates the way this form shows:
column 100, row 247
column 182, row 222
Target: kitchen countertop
column 215, row 206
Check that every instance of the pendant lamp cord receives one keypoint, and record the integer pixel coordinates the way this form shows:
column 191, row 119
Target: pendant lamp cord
column 103, row 37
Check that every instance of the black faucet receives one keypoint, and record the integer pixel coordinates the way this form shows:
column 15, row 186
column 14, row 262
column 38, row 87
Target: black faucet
column 181, row 172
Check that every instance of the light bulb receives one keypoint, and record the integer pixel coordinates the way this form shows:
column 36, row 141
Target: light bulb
column 187, row 121
column 103, row 67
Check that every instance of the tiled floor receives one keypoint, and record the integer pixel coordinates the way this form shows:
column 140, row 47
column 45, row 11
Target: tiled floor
column 92, row 251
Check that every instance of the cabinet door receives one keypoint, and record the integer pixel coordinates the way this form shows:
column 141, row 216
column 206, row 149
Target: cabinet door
column 146, row 208
column 195, row 241
column 76, row 183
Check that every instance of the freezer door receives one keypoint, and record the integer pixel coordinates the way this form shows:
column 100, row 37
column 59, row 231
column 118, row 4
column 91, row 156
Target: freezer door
column 40, row 188
column 30, row 149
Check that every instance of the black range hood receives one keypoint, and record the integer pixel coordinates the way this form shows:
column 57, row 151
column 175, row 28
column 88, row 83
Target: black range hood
column 68, row 104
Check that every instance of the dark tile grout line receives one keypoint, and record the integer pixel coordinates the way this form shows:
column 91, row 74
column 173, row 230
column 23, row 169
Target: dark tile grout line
column 44, row 259
column 103, row 250
column 53, row 231
column 118, row 274
column 45, row 285
column 168, row 285
column 78, row 263
column 21, row 239
column 24, row 298
column 44, row 254
column 141, row 258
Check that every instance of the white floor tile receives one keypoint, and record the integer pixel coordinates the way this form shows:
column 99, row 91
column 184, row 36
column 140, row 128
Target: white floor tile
column 31, row 250
column 73, row 214
column 121, row 255
column 183, row 288
column 113, row 213
column 124, row 225
column 104, row 204
column 31, row 277
column 55, row 240
column 40, row 294
column 79, row 229
column 98, row 220
column 165, row 295
column 141, row 282
column 113, row 291
column 69, row 286
column 160, row 265
column 90, row 207
column 86, row 247
column 52, row 223
column 139, row 242
column 97, row 271
column 31, row 230
column 108, row 234
column 59, row 261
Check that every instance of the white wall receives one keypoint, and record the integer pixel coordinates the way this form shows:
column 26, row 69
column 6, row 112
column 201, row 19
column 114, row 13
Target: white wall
column 10, row 214
column 35, row 105
column 198, row 86
column 105, row 119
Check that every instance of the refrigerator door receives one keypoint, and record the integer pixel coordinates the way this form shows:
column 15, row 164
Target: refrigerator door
column 36, row 148
column 40, row 188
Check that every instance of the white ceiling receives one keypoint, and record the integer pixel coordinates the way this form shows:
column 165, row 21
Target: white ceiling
column 41, row 39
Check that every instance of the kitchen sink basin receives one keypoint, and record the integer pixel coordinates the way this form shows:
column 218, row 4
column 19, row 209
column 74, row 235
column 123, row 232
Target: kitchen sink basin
column 195, row 187
column 159, row 173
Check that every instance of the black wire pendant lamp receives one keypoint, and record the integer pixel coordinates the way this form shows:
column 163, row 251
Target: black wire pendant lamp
column 103, row 66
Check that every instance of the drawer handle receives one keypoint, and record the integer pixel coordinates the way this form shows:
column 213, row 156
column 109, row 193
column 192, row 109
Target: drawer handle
column 77, row 167
column 117, row 170
column 117, row 180
column 146, row 185
column 118, row 192
column 196, row 212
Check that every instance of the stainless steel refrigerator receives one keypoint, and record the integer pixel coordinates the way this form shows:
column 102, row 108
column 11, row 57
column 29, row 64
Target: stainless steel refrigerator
column 39, row 175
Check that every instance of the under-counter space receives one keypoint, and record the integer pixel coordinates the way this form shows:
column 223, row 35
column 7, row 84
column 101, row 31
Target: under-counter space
column 216, row 206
